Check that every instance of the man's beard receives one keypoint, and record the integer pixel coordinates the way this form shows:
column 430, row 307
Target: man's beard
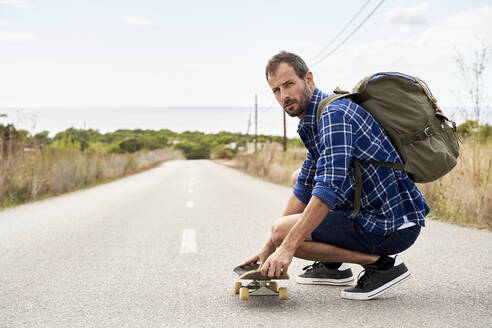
column 303, row 103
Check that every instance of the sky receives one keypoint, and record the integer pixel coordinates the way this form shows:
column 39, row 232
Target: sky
column 213, row 53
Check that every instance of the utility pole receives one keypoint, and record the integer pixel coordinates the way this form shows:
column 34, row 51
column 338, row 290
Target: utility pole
column 1, row 147
column 285, row 132
column 249, row 125
column 256, row 122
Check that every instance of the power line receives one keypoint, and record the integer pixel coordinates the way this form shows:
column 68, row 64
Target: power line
column 341, row 31
column 337, row 36
column 349, row 36
column 344, row 40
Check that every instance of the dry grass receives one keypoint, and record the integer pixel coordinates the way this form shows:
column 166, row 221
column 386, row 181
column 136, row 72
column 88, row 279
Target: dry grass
column 270, row 164
column 463, row 196
column 37, row 173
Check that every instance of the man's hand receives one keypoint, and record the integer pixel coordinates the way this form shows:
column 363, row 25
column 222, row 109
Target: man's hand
column 262, row 255
column 276, row 265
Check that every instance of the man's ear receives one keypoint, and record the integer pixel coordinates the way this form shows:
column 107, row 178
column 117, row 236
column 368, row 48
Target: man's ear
column 309, row 79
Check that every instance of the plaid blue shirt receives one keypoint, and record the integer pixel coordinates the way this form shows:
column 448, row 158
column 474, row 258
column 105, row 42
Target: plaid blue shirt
column 346, row 132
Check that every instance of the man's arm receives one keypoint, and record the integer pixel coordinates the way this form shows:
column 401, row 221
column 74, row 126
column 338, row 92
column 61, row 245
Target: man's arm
column 312, row 216
column 262, row 255
column 280, row 260
column 303, row 186
column 294, row 206
column 336, row 142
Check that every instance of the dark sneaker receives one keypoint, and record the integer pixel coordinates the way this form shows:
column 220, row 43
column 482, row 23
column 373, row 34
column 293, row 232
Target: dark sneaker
column 373, row 282
column 319, row 274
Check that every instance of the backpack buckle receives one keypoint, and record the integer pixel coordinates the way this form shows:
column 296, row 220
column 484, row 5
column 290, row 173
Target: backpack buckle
column 428, row 131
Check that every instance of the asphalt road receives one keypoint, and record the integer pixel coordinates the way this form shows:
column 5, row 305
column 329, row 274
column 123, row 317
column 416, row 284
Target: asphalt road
column 157, row 250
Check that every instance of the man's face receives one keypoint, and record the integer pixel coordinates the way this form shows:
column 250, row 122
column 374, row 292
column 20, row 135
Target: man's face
column 292, row 92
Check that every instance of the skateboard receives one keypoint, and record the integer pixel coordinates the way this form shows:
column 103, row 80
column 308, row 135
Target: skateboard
column 259, row 285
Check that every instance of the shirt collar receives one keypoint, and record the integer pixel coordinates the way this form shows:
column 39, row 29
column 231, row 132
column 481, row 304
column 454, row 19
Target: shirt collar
column 309, row 119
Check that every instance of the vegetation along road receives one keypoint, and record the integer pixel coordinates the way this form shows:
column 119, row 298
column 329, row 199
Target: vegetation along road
column 157, row 249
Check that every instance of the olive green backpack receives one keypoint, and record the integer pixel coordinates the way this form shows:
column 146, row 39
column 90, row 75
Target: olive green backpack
column 425, row 139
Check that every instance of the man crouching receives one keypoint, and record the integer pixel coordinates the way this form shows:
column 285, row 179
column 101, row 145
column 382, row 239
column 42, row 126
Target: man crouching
column 317, row 223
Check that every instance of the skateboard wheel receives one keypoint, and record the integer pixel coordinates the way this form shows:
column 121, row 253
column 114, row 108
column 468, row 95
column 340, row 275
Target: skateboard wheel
column 282, row 293
column 237, row 286
column 274, row 286
column 243, row 293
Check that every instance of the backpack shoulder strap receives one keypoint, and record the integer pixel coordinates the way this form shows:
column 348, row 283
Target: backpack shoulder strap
column 339, row 94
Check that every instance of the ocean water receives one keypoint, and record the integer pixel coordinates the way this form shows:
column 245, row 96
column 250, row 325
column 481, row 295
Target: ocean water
column 107, row 119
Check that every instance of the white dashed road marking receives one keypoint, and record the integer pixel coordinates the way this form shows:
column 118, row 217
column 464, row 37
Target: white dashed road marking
column 188, row 241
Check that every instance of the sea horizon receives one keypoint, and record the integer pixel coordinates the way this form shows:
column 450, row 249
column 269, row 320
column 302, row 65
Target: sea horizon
column 207, row 119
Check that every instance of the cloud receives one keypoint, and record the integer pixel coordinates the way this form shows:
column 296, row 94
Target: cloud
column 17, row 3
column 427, row 53
column 139, row 21
column 3, row 22
column 8, row 36
column 416, row 15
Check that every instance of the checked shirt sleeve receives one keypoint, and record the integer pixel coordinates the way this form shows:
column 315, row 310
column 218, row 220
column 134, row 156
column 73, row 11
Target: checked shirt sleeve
column 336, row 152
column 305, row 180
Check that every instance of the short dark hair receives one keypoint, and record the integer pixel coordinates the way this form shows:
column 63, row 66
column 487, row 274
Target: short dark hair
column 290, row 58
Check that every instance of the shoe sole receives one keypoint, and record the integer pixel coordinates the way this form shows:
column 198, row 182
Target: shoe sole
column 317, row 281
column 378, row 291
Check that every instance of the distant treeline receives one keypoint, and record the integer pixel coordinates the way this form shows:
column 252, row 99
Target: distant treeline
column 483, row 131
column 194, row 145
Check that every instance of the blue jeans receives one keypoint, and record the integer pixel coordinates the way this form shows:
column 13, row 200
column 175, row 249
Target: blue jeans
column 338, row 230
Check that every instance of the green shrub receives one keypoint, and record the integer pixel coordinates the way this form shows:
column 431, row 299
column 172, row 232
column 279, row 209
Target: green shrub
column 131, row 145
column 220, row 151
column 195, row 150
column 471, row 128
